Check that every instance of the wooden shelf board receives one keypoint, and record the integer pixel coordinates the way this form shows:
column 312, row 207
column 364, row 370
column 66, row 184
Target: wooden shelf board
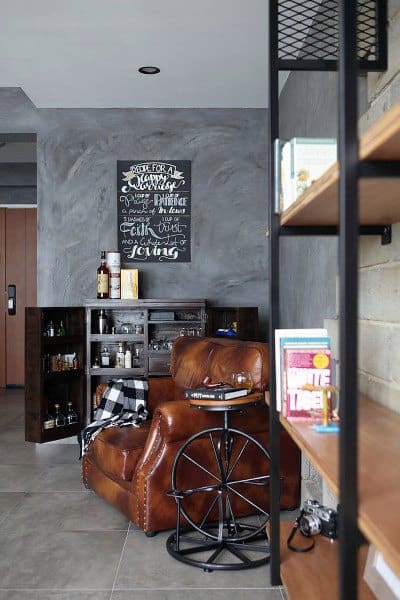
column 379, row 459
column 314, row 575
column 378, row 198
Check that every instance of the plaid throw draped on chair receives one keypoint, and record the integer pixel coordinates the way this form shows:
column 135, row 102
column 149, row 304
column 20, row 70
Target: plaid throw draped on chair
column 123, row 404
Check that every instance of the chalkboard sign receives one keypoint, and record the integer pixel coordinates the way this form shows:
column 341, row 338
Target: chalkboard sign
column 154, row 210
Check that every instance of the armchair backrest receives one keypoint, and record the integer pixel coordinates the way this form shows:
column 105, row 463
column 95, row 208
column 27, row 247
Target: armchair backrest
column 193, row 359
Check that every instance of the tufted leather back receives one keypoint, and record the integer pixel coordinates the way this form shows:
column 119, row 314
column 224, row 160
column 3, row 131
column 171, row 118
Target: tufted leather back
column 193, row 359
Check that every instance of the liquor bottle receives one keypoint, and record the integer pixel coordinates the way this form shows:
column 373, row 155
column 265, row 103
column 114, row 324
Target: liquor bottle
column 120, row 356
column 59, row 363
column 75, row 361
column 59, row 419
column 48, row 422
column 50, row 329
column 103, row 276
column 128, row 359
column 102, row 321
column 105, row 357
column 61, row 330
column 72, row 417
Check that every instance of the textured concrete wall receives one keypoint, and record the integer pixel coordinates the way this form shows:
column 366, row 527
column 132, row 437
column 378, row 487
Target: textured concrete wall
column 308, row 108
column 76, row 155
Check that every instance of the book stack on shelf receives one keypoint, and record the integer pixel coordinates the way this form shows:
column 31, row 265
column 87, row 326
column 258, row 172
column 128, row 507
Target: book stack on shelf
column 304, row 373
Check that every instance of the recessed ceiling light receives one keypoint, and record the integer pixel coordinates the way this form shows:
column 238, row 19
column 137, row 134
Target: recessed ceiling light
column 149, row 70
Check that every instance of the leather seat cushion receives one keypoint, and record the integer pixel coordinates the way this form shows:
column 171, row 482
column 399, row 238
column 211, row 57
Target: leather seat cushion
column 117, row 450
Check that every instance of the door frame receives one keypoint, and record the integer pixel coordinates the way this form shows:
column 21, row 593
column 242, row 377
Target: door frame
column 2, row 297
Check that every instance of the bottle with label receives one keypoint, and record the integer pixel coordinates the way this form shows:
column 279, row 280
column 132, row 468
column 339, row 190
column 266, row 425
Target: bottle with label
column 105, row 357
column 75, row 361
column 128, row 359
column 120, row 358
column 102, row 321
column 103, row 277
column 72, row 417
column 59, row 362
column 50, row 329
column 61, row 330
column 59, row 419
column 48, row 422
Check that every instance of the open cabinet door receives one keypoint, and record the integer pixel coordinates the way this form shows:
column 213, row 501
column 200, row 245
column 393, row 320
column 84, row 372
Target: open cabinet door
column 18, row 289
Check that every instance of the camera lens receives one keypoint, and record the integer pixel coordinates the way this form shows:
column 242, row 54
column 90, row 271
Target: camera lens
column 310, row 525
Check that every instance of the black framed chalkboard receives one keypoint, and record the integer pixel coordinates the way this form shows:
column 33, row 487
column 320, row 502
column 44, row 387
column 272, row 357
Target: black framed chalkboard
column 154, row 210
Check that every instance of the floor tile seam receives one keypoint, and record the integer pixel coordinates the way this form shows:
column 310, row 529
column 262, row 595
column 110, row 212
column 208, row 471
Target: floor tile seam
column 119, row 562
column 56, row 590
column 194, row 588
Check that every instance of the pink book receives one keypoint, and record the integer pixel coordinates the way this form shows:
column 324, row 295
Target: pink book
column 302, row 368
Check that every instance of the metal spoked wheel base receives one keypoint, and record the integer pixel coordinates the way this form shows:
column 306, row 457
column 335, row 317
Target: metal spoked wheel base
column 225, row 515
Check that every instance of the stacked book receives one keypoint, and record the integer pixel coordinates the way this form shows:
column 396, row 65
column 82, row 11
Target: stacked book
column 222, row 392
column 303, row 369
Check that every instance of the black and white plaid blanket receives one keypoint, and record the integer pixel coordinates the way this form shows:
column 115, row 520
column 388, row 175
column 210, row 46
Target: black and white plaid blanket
column 123, row 404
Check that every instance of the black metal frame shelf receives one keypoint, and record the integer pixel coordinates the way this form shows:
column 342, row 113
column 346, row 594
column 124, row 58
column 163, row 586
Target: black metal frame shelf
column 308, row 35
column 346, row 32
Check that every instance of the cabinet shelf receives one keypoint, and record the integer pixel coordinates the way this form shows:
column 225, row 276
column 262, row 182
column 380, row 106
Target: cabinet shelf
column 174, row 322
column 63, row 340
column 379, row 489
column 111, row 371
column 66, row 375
column 378, row 196
column 117, row 337
column 314, row 574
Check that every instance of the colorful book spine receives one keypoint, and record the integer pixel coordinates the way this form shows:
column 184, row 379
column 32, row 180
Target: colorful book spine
column 305, row 368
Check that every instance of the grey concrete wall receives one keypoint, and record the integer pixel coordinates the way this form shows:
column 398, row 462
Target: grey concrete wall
column 77, row 153
column 308, row 108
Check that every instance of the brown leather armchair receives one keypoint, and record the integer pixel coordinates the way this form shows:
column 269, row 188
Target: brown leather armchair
column 131, row 468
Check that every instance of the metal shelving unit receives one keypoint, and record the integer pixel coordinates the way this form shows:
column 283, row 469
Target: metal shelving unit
column 347, row 36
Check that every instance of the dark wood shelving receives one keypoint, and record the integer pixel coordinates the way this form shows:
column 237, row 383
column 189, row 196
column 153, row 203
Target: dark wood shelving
column 44, row 389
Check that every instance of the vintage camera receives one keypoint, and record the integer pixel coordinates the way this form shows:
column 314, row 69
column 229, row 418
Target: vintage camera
column 315, row 518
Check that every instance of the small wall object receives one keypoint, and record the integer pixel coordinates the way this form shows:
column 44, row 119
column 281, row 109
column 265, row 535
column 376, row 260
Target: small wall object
column 129, row 284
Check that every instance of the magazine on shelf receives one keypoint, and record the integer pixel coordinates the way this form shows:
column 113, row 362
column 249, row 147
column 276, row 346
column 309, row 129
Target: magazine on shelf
column 218, row 393
column 298, row 337
column 303, row 161
column 304, row 371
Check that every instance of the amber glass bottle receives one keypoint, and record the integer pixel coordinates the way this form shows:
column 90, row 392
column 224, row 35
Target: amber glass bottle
column 103, row 275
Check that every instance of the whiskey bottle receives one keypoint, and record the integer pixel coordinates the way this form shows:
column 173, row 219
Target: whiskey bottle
column 120, row 355
column 103, row 276
column 105, row 358
column 59, row 418
column 128, row 359
column 48, row 422
column 72, row 417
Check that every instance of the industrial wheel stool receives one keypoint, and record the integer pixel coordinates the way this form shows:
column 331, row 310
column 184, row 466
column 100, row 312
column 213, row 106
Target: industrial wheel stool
column 220, row 506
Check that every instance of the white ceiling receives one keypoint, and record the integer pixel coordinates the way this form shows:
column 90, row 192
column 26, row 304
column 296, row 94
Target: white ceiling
column 86, row 53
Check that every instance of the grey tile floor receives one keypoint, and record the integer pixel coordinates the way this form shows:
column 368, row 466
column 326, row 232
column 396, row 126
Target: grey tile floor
column 59, row 541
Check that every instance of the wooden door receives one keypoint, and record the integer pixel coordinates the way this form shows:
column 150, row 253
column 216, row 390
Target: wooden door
column 17, row 267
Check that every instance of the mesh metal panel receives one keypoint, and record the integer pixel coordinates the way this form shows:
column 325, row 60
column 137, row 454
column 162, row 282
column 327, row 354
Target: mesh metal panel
column 308, row 31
